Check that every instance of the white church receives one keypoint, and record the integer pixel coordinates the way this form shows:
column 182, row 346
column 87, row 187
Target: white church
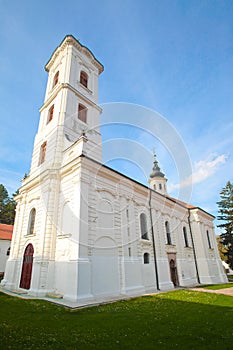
column 85, row 232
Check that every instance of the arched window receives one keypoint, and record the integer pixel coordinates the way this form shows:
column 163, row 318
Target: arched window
column 146, row 258
column 168, row 233
column 185, row 237
column 8, row 251
column 42, row 152
column 50, row 114
column 155, row 187
column 55, row 79
column 143, row 225
column 31, row 222
column 83, row 78
column 208, row 239
column 160, row 186
column 82, row 113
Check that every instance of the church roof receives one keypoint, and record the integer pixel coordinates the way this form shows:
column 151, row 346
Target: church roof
column 183, row 204
column 187, row 205
column 6, row 232
column 177, row 201
column 71, row 39
column 156, row 172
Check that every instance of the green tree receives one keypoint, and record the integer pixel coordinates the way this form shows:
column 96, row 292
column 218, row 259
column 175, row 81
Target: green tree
column 226, row 216
column 3, row 195
column 7, row 207
column 221, row 249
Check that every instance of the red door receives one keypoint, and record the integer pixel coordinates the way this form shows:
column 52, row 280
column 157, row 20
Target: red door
column 26, row 274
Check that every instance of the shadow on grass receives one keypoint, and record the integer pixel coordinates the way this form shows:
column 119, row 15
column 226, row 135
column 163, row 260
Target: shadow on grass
column 176, row 320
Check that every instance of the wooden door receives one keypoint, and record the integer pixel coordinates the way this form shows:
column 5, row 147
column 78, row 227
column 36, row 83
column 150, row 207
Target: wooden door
column 26, row 274
column 173, row 271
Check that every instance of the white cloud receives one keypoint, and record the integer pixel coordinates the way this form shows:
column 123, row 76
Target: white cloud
column 202, row 170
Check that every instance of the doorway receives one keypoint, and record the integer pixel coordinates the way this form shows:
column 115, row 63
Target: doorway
column 173, row 272
column 25, row 281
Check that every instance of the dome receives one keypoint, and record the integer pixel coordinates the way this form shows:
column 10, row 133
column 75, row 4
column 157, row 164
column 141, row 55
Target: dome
column 156, row 172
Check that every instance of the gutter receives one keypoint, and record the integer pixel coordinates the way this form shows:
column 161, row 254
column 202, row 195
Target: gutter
column 153, row 243
column 194, row 250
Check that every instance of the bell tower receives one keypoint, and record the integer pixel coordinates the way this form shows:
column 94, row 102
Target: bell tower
column 157, row 179
column 70, row 107
column 69, row 127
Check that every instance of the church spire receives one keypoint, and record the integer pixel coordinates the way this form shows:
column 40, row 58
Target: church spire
column 157, row 179
column 156, row 172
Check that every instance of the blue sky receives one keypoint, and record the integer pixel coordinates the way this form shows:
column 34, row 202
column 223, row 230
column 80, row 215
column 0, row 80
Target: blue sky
column 172, row 57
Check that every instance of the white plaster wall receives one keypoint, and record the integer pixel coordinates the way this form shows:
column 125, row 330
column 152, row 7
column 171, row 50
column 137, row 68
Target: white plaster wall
column 4, row 246
column 10, row 280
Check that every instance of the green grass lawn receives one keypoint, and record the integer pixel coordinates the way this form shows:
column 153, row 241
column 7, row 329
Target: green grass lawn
column 176, row 320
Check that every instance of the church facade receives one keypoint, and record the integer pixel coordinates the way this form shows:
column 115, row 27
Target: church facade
column 84, row 231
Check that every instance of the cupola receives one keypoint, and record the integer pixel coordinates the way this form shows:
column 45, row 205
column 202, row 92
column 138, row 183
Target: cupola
column 158, row 181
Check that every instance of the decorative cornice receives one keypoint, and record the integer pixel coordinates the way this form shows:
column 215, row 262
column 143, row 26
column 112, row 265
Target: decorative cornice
column 104, row 190
column 34, row 199
column 201, row 212
column 71, row 40
column 68, row 86
column 39, row 178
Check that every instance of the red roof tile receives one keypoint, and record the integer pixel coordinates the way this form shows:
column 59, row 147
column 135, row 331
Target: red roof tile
column 186, row 205
column 6, row 231
column 183, row 204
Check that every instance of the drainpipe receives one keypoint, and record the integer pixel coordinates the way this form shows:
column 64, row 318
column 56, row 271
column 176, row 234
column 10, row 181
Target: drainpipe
column 153, row 243
column 194, row 251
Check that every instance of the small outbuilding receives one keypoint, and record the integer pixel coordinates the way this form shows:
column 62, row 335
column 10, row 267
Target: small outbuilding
column 5, row 245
